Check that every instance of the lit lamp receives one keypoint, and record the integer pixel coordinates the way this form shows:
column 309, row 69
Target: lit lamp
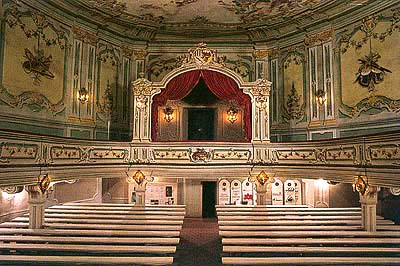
column 263, row 178
column 232, row 114
column 139, row 177
column 360, row 184
column 83, row 95
column 168, row 114
column 320, row 96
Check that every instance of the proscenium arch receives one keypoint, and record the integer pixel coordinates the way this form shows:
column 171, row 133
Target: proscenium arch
column 258, row 91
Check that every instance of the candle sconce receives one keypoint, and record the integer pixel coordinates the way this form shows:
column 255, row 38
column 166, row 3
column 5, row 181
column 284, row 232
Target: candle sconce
column 168, row 114
column 83, row 95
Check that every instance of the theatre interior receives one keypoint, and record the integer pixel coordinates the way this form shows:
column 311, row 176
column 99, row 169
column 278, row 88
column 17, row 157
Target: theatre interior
column 200, row 132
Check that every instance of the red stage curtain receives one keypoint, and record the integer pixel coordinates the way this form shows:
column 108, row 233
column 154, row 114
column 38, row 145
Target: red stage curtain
column 227, row 89
column 221, row 85
column 176, row 89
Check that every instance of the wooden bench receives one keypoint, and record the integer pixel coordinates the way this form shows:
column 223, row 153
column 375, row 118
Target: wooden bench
column 261, row 219
column 129, row 208
column 93, row 248
column 291, row 249
column 134, row 212
column 103, row 221
column 97, row 226
column 281, row 213
column 254, row 224
column 353, row 240
column 304, row 233
column 112, row 216
column 296, row 261
column 88, row 260
column 88, row 239
column 121, row 205
column 77, row 232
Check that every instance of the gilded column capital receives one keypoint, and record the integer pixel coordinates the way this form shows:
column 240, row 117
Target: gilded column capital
column 140, row 54
column 142, row 86
column 85, row 36
column 260, row 54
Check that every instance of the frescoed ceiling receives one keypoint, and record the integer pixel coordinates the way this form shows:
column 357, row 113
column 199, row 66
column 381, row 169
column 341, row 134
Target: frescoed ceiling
column 214, row 17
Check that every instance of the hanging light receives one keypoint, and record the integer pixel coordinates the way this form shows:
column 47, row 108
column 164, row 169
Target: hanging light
column 168, row 114
column 83, row 95
column 232, row 114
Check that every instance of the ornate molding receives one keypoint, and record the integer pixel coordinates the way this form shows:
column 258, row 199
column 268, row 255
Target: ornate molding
column 380, row 103
column 140, row 54
column 15, row 150
column 318, row 38
column 202, row 57
column 117, row 8
column 294, row 110
column 142, row 86
column 201, row 155
column 12, row 189
column 260, row 54
column 368, row 26
column 85, row 36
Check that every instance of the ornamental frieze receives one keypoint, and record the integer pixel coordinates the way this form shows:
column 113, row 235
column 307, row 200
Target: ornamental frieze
column 386, row 152
column 88, row 154
column 318, row 38
column 170, row 154
column 232, row 154
column 11, row 151
column 318, row 155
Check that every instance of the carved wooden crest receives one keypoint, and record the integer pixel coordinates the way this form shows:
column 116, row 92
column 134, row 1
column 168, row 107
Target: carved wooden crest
column 200, row 155
column 202, row 56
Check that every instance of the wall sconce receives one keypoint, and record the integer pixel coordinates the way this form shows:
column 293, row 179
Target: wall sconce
column 83, row 95
column 320, row 96
column 168, row 114
column 263, row 178
column 139, row 177
column 44, row 183
column 360, row 184
column 232, row 114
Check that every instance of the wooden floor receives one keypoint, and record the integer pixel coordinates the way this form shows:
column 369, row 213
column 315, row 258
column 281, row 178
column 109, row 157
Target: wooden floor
column 267, row 235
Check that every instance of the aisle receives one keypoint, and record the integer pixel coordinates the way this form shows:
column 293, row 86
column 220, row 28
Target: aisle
column 200, row 244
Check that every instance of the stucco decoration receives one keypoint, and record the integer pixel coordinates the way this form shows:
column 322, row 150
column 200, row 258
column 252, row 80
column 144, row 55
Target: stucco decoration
column 160, row 65
column 107, row 83
column 33, row 66
column 368, row 78
column 293, row 85
column 294, row 109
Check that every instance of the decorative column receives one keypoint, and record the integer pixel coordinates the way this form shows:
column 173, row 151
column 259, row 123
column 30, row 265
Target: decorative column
column 139, row 180
column 37, row 195
column 368, row 202
column 260, row 111
column 142, row 92
column 368, row 199
column 262, row 180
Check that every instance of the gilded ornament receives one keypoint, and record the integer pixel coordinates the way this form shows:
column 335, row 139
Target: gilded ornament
column 260, row 54
column 200, row 155
column 318, row 38
column 360, row 184
column 85, row 36
column 140, row 54
column 142, row 86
